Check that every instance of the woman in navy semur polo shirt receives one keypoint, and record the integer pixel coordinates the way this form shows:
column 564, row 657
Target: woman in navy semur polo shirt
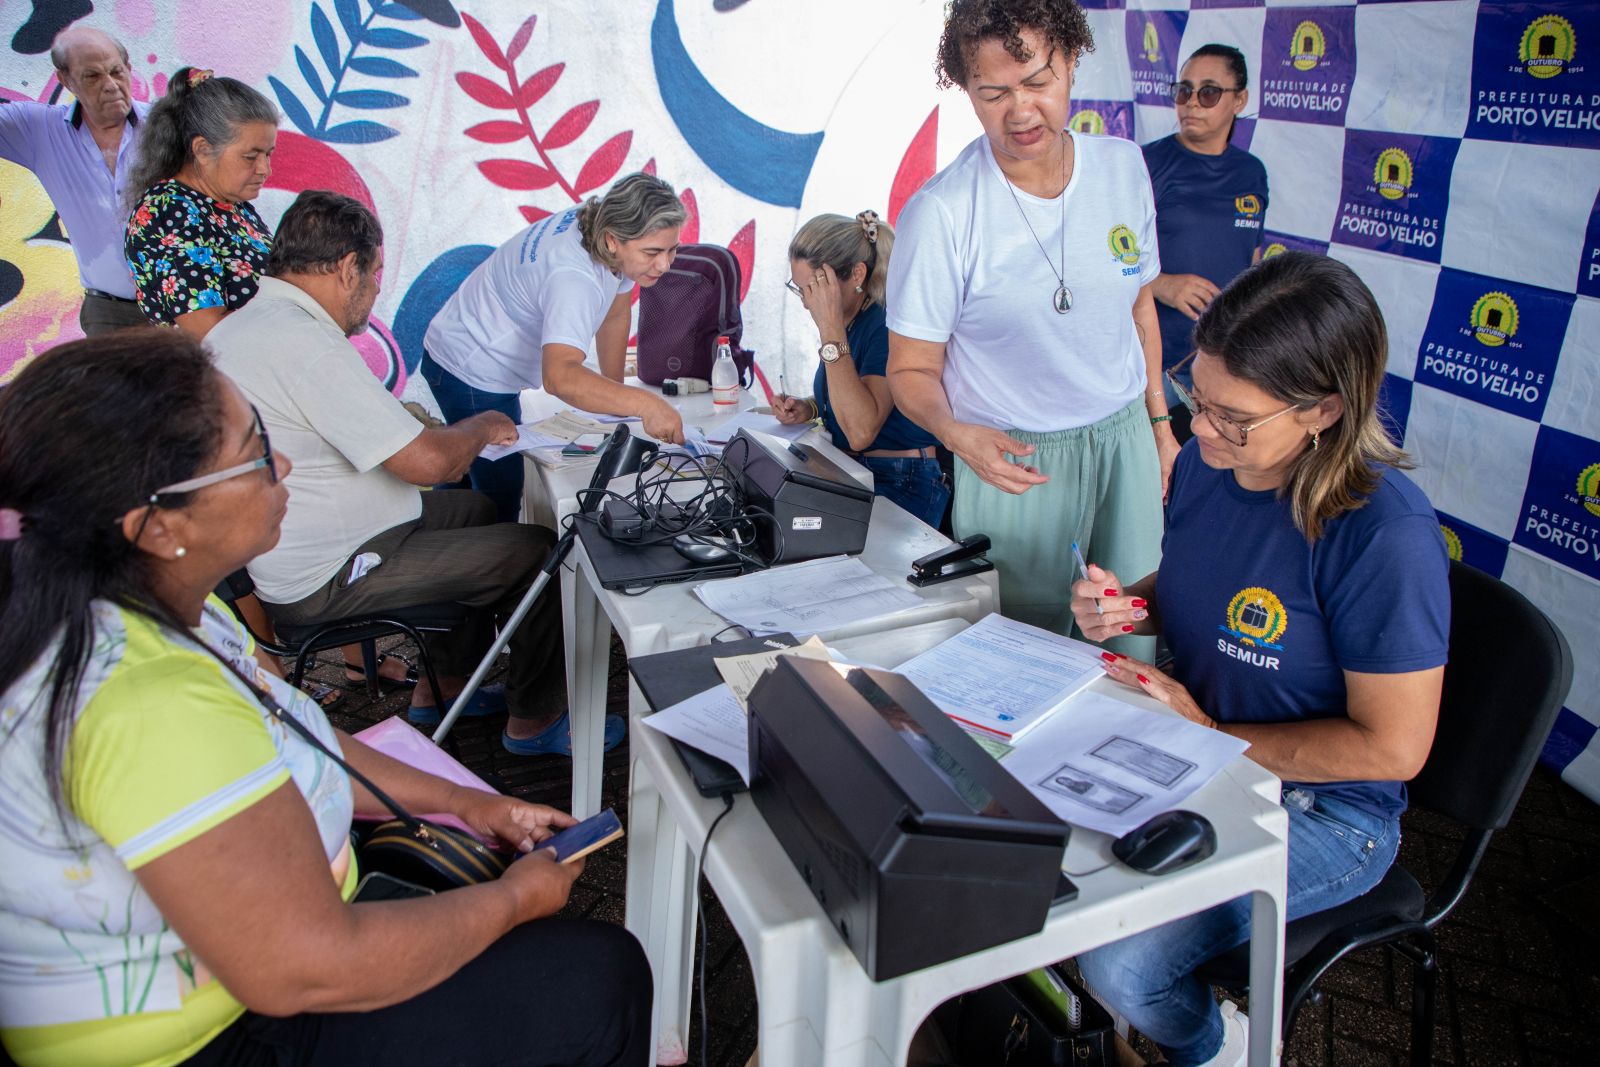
column 1211, row 199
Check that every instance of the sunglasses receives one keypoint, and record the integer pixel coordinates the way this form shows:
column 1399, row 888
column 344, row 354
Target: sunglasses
column 1209, row 94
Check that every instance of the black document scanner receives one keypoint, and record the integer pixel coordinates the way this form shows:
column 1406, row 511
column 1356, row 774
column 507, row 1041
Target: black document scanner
column 916, row 842
column 808, row 506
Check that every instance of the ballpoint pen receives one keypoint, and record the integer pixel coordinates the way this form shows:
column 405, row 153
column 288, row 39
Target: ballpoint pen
column 1083, row 569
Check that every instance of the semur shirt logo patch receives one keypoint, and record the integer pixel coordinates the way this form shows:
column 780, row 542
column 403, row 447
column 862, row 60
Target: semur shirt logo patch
column 1255, row 619
column 1124, row 245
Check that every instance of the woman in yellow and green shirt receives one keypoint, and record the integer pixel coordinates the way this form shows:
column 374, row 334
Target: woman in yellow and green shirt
column 175, row 865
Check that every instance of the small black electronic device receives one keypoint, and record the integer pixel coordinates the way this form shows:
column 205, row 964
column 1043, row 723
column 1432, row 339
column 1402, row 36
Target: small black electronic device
column 668, row 678
column 376, row 885
column 960, row 560
column 1169, row 842
column 583, row 838
column 919, row 847
column 803, row 505
column 697, row 550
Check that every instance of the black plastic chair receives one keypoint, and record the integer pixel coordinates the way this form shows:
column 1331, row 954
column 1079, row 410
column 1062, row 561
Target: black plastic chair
column 299, row 643
column 1509, row 672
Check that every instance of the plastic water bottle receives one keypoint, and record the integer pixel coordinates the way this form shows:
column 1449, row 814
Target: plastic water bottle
column 724, row 378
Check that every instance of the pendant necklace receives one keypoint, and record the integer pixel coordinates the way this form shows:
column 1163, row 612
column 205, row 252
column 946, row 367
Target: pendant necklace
column 1062, row 300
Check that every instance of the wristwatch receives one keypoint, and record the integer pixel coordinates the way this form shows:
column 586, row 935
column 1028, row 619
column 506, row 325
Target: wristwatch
column 830, row 352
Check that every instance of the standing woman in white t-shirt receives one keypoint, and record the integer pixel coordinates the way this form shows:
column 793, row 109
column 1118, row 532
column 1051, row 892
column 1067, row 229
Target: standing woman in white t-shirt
column 524, row 319
column 1022, row 325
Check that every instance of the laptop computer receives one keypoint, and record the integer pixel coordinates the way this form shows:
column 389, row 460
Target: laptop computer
column 632, row 567
column 668, row 678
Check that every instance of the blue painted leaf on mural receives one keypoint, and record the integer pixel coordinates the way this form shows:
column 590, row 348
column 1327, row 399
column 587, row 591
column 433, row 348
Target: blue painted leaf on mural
column 396, row 12
column 439, row 12
column 293, row 108
column 349, row 12
column 379, row 37
column 327, row 40
column 370, row 99
column 380, row 67
column 362, row 132
column 308, row 70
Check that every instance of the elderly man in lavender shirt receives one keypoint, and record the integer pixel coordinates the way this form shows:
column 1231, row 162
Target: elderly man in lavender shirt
column 81, row 154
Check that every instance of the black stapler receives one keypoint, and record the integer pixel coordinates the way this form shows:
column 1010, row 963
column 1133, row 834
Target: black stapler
column 961, row 559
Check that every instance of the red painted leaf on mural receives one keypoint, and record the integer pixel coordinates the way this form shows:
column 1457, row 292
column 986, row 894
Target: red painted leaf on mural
column 532, row 90
column 516, row 174
column 519, row 40
column 650, row 166
column 690, row 233
column 570, row 127
column 604, row 164
column 496, row 132
column 533, row 214
column 743, row 247
column 485, row 91
column 485, row 42
column 916, row 166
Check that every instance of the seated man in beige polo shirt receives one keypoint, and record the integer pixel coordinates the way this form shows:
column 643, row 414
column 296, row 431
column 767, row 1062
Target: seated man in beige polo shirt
column 359, row 536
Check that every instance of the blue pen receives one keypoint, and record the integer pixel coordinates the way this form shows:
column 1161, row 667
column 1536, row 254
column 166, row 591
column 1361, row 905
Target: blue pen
column 1083, row 569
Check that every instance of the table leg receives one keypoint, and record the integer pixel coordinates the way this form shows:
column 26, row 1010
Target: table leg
column 587, row 640
column 660, row 911
column 1266, row 977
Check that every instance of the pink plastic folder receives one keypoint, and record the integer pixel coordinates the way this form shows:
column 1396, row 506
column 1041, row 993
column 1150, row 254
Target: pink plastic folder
column 398, row 739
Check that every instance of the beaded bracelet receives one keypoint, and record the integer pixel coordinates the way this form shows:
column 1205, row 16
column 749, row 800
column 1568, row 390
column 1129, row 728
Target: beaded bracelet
column 1159, row 418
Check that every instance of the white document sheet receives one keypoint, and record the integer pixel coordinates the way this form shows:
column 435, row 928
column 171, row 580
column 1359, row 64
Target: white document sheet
column 1001, row 678
column 712, row 722
column 743, row 672
column 568, row 426
column 805, row 598
column 527, row 440
column 1106, row 765
column 722, row 433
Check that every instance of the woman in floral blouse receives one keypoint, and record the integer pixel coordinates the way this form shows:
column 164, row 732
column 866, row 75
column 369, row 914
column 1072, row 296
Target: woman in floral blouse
column 194, row 243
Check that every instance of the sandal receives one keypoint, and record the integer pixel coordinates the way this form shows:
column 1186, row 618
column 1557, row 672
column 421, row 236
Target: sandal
column 326, row 696
column 357, row 675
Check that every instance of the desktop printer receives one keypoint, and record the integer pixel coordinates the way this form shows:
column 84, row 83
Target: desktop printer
column 917, row 843
column 815, row 508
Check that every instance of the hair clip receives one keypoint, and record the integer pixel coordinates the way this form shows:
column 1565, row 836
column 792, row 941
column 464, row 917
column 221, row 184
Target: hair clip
column 10, row 524
column 196, row 76
column 869, row 222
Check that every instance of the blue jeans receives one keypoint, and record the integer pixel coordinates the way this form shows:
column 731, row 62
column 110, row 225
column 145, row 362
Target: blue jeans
column 500, row 480
column 1336, row 853
column 915, row 484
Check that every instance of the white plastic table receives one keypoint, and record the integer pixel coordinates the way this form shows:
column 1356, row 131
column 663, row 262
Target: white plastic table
column 670, row 616
column 816, row 1004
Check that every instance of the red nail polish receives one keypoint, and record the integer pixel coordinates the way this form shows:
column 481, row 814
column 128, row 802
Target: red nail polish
column 1127, row 629
column 1109, row 657
column 1111, row 592
column 1121, row 656
column 1138, row 603
column 1142, row 679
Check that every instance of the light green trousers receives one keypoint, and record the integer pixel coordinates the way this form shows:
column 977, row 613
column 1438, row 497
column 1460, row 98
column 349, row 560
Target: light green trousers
column 1104, row 492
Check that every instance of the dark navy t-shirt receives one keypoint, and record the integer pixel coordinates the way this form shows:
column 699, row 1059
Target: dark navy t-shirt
column 1262, row 623
column 868, row 338
column 1209, row 216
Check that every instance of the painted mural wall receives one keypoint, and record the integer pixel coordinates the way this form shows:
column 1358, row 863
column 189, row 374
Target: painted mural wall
column 1448, row 150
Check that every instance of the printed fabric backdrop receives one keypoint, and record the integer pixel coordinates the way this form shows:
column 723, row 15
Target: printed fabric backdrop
column 1449, row 151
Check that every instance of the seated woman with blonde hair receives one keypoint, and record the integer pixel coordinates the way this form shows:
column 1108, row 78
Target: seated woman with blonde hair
column 838, row 268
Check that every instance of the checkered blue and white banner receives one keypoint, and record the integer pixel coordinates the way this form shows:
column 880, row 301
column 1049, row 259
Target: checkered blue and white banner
column 1449, row 152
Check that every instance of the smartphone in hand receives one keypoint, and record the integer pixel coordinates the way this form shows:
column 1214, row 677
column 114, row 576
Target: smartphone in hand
column 582, row 839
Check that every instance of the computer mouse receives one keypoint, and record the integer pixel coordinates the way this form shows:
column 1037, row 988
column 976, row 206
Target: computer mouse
column 691, row 548
column 1169, row 842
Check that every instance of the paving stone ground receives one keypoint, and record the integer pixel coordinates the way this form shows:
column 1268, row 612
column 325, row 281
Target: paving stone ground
column 1520, row 983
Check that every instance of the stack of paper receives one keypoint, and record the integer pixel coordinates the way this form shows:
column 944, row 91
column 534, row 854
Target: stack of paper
column 805, row 598
column 724, row 432
column 1001, row 678
column 527, row 440
column 1106, row 765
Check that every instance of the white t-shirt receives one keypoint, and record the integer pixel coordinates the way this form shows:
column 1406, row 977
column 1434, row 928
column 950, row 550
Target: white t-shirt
column 966, row 272
column 539, row 288
column 326, row 411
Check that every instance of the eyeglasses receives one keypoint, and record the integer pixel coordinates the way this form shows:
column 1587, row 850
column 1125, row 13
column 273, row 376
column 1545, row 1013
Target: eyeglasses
column 189, row 486
column 793, row 288
column 1208, row 94
column 1235, row 433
